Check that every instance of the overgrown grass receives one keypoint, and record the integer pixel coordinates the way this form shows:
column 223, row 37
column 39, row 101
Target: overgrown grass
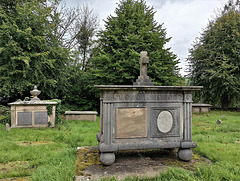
column 44, row 153
column 49, row 153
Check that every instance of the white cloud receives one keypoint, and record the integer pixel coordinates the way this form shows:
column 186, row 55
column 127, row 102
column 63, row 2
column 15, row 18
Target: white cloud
column 183, row 19
column 104, row 8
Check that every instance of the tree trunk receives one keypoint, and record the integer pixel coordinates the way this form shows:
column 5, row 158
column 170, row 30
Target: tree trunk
column 225, row 102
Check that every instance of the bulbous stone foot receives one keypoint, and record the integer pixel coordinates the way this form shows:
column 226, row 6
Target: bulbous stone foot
column 107, row 158
column 185, row 154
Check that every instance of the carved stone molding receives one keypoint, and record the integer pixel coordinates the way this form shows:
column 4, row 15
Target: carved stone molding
column 141, row 96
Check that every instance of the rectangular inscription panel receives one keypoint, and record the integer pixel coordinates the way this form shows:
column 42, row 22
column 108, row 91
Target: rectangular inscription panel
column 24, row 118
column 40, row 118
column 131, row 123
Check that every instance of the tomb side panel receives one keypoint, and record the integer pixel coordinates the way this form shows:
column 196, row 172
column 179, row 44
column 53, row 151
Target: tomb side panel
column 40, row 118
column 131, row 123
column 24, row 118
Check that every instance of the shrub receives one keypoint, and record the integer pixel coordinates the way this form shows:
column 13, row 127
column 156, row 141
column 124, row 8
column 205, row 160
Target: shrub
column 5, row 116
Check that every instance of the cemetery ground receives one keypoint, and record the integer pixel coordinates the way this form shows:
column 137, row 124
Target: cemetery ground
column 51, row 153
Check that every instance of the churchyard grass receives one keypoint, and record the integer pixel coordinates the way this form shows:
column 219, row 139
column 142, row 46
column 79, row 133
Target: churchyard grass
column 218, row 142
column 44, row 153
column 50, row 153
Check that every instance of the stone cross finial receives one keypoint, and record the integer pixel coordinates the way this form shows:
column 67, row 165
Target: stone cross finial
column 143, row 79
column 143, row 61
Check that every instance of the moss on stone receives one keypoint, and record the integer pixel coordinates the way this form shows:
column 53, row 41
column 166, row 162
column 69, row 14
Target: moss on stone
column 86, row 156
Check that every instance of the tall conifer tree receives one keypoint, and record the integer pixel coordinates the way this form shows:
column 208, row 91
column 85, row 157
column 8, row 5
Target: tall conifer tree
column 131, row 31
column 30, row 51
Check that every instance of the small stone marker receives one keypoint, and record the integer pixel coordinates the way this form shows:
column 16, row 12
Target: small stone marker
column 219, row 121
column 7, row 127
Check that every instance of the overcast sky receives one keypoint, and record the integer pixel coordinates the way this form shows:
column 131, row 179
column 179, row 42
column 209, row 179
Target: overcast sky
column 183, row 19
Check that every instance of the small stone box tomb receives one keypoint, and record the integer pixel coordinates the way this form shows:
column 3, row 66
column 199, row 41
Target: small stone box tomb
column 81, row 115
column 32, row 113
column 201, row 108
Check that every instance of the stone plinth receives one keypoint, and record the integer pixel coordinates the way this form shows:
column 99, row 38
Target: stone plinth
column 81, row 115
column 145, row 117
column 32, row 114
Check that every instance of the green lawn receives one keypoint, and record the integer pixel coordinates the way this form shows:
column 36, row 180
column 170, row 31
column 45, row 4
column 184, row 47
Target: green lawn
column 218, row 142
column 45, row 153
column 50, row 153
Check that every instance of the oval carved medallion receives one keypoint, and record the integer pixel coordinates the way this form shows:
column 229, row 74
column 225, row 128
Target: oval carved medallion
column 164, row 121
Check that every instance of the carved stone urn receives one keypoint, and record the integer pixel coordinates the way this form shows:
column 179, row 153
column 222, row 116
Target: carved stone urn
column 35, row 93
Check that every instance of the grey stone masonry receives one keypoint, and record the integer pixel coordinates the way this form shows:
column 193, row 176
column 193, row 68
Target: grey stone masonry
column 145, row 117
column 201, row 108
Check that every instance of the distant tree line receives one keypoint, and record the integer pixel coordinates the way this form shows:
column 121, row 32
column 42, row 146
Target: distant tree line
column 63, row 51
column 215, row 58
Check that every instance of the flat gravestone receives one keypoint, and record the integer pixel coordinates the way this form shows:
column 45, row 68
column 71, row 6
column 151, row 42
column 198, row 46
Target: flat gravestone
column 40, row 118
column 24, row 118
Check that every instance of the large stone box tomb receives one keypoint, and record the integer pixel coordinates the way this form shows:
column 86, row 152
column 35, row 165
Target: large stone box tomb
column 144, row 116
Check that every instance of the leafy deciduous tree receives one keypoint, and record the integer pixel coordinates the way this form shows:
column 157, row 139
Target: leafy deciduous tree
column 30, row 52
column 76, row 30
column 215, row 58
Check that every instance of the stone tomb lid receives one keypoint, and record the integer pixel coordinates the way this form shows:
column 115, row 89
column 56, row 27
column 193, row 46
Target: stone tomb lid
column 201, row 105
column 148, row 87
column 32, row 103
column 81, row 112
